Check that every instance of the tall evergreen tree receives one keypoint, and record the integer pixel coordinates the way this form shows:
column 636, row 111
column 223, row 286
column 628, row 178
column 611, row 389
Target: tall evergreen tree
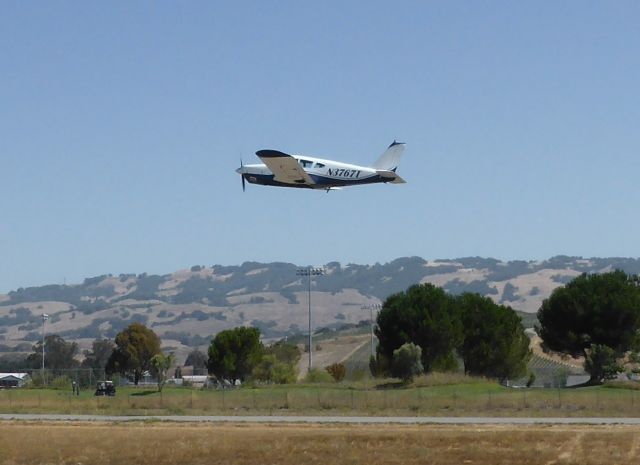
column 495, row 344
column 592, row 309
column 234, row 353
column 424, row 315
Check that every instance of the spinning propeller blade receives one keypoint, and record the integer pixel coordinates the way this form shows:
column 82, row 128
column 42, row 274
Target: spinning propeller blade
column 242, row 175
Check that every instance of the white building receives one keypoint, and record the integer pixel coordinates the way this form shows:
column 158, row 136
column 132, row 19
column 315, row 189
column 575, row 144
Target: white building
column 14, row 379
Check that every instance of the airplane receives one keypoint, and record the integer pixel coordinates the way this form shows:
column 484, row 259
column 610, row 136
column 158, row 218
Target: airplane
column 284, row 170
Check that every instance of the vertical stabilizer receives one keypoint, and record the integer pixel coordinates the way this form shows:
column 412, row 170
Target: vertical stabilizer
column 390, row 159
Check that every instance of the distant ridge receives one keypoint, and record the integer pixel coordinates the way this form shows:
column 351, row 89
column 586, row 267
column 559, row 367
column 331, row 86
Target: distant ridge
column 188, row 306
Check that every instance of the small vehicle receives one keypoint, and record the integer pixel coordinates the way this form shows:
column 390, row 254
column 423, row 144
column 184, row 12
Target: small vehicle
column 105, row 388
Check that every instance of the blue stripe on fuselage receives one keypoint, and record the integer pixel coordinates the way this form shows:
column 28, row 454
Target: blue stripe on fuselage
column 321, row 182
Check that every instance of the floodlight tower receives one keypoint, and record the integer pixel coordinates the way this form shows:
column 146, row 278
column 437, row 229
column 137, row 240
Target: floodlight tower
column 45, row 317
column 371, row 308
column 309, row 272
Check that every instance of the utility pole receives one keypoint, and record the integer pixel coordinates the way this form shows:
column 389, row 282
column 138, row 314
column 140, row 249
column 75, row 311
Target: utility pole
column 371, row 308
column 45, row 317
column 309, row 272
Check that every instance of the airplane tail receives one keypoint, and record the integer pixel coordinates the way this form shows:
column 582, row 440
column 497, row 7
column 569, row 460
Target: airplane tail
column 390, row 159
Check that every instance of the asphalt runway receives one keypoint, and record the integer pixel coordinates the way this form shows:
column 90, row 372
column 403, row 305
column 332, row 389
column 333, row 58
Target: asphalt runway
column 328, row 419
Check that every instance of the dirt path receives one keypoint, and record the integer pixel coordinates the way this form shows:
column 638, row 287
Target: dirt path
column 332, row 351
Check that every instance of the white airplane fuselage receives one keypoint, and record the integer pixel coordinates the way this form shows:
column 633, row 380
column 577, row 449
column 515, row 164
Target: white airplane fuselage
column 325, row 173
column 281, row 169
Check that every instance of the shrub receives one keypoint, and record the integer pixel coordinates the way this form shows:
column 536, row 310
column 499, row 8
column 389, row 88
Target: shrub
column 406, row 362
column 272, row 370
column 61, row 382
column 316, row 375
column 601, row 363
column 337, row 371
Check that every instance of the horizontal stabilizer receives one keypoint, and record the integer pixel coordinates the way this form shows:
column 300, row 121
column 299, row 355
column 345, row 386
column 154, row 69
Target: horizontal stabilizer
column 390, row 176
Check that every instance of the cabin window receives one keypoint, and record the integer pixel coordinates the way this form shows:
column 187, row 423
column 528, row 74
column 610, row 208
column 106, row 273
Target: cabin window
column 319, row 165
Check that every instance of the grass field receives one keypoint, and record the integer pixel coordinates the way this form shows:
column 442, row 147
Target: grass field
column 162, row 443
column 428, row 396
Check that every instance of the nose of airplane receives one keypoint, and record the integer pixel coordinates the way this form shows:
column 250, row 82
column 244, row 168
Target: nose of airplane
column 241, row 172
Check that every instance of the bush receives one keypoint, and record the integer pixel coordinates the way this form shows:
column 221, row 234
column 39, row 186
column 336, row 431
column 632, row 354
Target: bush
column 379, row 366
column 601, row 363
column 272, row 370
column 60, row 382
column 316, row 375
column 337, row 371
column 406, row 362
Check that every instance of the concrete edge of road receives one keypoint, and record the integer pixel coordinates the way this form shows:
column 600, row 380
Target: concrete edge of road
column 326, row 419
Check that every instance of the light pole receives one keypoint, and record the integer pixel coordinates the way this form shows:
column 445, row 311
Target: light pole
column 309, row 272
column 45, row 317
column 371, row 308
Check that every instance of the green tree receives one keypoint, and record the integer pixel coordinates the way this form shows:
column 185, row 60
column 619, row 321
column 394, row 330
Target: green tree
column 279, row 364
column 135, row 347
column 272, row 370
column 198, row 360
column 161, row 364
column 406, row 362
column 234, row 353
column 99, row 354
column 59, row 354
column 494, row 344
column 601, row 363
column 285, row 352
column 13, row 362
column 424, row 315
column 592, row 309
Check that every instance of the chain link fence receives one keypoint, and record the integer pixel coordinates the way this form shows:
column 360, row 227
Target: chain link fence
column 85, row 378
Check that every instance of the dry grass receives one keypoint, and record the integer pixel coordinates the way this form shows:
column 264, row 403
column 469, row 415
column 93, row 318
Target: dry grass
column 162, row 443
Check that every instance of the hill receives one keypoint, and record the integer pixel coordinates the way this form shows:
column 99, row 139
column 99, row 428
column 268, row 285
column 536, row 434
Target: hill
column 188, row 306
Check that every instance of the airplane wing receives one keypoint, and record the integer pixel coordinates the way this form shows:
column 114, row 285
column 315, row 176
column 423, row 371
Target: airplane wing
column 285, row 168
column 392, row 177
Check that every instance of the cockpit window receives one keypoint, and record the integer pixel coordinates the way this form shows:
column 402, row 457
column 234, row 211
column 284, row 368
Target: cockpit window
column 306, row 163
column 319, row 165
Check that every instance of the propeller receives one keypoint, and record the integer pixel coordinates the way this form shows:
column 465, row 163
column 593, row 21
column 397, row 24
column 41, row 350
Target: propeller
column 242, row 175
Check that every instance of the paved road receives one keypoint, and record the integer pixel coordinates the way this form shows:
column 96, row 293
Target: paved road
column 328, row 419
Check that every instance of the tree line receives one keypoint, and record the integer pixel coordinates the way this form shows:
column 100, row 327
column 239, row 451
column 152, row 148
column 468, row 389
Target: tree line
column 426, row 329
column 420, row 330
column 235, row 354
column 596, row 316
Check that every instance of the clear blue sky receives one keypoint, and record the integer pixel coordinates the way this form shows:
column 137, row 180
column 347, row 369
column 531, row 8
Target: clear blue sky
column 121, row 124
